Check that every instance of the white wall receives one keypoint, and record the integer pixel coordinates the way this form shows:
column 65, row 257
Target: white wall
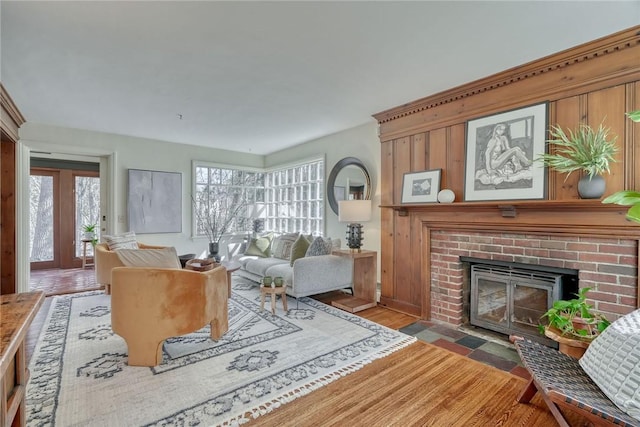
column 128, row 152
column 136, row 153
column 361, row 142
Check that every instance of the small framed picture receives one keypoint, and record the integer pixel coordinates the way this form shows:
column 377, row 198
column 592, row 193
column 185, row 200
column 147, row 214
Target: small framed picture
column 421, row 187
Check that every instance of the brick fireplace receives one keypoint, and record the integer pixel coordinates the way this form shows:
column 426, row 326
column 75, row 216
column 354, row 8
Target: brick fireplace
column 428, row 279
column 606, row 265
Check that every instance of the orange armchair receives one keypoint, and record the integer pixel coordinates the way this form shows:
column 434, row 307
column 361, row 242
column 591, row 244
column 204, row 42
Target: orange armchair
column 149, row 305
column 106, row 260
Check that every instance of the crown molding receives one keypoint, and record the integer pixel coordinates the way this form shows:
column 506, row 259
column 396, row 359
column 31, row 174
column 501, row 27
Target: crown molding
column 11, row 118
column 595, row 49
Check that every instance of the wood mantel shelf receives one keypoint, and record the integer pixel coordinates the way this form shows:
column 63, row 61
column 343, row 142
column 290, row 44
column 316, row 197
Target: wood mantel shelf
column 516, row 204
column 575, row 216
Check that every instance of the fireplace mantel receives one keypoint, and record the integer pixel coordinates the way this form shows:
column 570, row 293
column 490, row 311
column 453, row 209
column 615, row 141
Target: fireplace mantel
column 577, row 217
column 568, row 219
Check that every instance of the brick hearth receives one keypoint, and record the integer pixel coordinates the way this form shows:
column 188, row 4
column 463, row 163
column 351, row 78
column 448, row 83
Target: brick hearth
column 607, row 266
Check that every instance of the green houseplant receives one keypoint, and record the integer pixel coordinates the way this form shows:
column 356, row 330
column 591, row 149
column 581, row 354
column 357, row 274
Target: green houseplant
column 89, row 231
column 575, row 318
column 628, row 197
column 583, row 149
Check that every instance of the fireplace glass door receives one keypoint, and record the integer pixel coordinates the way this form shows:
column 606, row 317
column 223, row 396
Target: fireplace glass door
column 512, row 301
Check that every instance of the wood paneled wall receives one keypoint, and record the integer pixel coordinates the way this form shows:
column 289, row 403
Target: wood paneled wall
column 10, row 121
column 592, row 83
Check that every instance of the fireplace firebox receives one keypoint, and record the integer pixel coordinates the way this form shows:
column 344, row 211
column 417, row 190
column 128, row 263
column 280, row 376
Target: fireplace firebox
column 510, row 297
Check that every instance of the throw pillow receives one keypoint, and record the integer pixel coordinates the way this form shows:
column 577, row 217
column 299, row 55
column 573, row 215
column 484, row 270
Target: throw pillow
column 282, row 245
column 299, row 248
column 259, row 247
column 121, row 241
column 336, row 244
column 613, row 363
column 158, row 258
column 319, row 246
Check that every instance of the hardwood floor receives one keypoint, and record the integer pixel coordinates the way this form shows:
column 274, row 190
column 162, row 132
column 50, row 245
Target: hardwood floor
column 59, row 281
column 420, row 385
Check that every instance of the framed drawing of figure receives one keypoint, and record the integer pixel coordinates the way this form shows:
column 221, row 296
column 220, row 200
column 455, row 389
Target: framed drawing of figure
column 500, row 153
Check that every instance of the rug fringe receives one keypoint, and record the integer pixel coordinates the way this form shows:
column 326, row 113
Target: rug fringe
column 313, row 385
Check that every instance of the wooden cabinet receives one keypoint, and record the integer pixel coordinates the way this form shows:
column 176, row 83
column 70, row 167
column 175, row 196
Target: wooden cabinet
column 10, row 121
column 365, row 272
column 16, row 314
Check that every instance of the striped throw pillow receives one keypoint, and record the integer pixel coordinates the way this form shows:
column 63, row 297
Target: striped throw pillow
column 121, row 241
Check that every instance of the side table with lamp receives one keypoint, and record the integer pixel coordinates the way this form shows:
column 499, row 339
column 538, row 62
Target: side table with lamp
column 365, row 262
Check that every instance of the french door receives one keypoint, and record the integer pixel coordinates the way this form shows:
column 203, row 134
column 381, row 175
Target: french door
column 62, row 202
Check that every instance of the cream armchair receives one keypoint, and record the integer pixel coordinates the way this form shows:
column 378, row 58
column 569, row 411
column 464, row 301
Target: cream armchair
column 149, row 305
column 106, row 260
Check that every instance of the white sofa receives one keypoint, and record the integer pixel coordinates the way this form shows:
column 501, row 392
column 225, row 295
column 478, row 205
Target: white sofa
column 310, row 275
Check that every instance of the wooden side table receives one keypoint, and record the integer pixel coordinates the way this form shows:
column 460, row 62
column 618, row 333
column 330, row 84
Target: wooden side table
column 84, row 253
column 280, row 290
column 231, row 266
column 365, row 274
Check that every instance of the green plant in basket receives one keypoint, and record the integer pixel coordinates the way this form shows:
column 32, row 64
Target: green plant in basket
column 574, row 318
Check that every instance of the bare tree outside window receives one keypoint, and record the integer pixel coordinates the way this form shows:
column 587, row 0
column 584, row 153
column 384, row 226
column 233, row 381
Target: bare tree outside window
column 225, row 201
column 41, row 218
column 41, row 214
column 87, row 209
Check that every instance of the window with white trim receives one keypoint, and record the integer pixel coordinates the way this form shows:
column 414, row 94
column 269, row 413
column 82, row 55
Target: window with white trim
column 294, row 198
column 224, row 200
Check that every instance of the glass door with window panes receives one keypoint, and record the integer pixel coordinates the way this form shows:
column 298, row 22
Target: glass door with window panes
column 62, row 202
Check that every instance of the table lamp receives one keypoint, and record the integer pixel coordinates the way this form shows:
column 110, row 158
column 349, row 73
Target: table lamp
column 354, row 212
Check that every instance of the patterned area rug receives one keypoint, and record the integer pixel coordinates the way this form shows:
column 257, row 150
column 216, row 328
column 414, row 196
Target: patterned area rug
column 80, row 376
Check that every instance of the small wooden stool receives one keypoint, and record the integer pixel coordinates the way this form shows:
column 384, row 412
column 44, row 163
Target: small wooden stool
column 281, row 290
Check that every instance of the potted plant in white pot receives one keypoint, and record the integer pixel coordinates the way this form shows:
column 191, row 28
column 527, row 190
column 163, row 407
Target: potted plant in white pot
column 89, row 231
column 628, row 197
column 584, row 149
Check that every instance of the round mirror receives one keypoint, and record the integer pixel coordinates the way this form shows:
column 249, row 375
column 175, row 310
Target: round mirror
column 348, row 180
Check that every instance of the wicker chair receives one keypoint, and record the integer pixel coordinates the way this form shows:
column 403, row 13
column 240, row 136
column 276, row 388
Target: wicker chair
column 564, row 385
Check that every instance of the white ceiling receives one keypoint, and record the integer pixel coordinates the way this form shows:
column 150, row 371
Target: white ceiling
column 262, row 76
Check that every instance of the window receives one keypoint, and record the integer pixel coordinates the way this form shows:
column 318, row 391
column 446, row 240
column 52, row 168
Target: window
column 225, row 200
column 294, row 198
column 228, row 200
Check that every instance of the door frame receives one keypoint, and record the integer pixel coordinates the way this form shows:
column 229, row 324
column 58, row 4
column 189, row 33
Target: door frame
column 108, row 206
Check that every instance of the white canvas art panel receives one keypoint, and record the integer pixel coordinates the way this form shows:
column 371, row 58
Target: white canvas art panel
column 155, row 201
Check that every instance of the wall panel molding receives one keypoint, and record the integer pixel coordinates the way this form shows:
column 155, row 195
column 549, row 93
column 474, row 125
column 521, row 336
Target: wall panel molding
column 596, row 49
column 595, row 82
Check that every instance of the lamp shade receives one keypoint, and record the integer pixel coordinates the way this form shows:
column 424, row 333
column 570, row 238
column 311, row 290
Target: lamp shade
column 354, row 210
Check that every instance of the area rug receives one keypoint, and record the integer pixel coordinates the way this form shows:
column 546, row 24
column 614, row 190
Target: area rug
column 80, row 376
